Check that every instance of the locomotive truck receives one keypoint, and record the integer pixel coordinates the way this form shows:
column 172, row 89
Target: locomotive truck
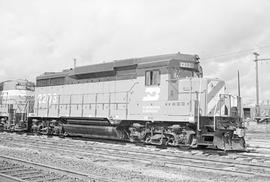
column 161, row 100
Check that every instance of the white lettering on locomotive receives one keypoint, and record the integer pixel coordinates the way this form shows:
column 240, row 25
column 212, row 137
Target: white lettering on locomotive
column 45, row 98
column 151, row 94
column 151, row 109
column 186, row 65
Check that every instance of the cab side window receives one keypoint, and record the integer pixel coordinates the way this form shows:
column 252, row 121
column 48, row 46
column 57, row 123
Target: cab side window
column 152, row 77
column 148, row 78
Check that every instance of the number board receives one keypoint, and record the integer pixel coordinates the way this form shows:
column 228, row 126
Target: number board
column 186, row 65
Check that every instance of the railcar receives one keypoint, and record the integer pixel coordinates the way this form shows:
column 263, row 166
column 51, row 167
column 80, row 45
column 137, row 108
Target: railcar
column 16, row 100
column 161, row 100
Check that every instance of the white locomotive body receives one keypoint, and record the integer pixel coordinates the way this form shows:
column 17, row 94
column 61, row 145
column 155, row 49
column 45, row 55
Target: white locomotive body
column 159, row 99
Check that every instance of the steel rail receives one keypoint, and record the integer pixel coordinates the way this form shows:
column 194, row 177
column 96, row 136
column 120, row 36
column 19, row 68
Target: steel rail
column 8, row 178
column 157, row 154
column 69, row 173
column 166, row 162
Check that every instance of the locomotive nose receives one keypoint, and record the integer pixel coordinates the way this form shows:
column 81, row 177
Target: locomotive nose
column 230, row 141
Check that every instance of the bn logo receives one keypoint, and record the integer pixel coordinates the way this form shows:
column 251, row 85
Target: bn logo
column 151, row 94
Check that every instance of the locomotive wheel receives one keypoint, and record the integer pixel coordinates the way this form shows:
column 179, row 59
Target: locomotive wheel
column 65, row 134
column 62, row 133
column 147, row 138
column 164, row 141
column 171, row 141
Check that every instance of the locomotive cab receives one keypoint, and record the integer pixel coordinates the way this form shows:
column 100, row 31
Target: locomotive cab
column 200, row 108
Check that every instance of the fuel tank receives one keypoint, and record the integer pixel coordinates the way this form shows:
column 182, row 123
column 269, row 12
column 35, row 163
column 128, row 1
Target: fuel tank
column 92, row 128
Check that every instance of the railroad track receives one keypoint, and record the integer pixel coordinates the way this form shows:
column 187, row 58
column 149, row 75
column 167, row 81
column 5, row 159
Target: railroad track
column 112, row 143
column 205, row 164
column 259, row 145
column 177, row 151
column 18, row 170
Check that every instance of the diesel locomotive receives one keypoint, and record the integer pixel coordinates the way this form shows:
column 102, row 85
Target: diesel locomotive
column 16, row 101
column 161, row 100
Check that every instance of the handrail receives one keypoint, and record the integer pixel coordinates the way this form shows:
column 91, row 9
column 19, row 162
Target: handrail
column 95, row 102
column 199, row 100
column 195, row 92
column 215, row 117
column 99, row 92
column 133, row 86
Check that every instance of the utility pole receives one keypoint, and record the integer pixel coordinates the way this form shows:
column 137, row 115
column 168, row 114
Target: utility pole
column 239, row 95
column 238, row 83
column 74, row 61
column 257, row 107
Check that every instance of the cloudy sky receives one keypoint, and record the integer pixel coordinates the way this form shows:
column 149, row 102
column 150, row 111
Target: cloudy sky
column 38, row 36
